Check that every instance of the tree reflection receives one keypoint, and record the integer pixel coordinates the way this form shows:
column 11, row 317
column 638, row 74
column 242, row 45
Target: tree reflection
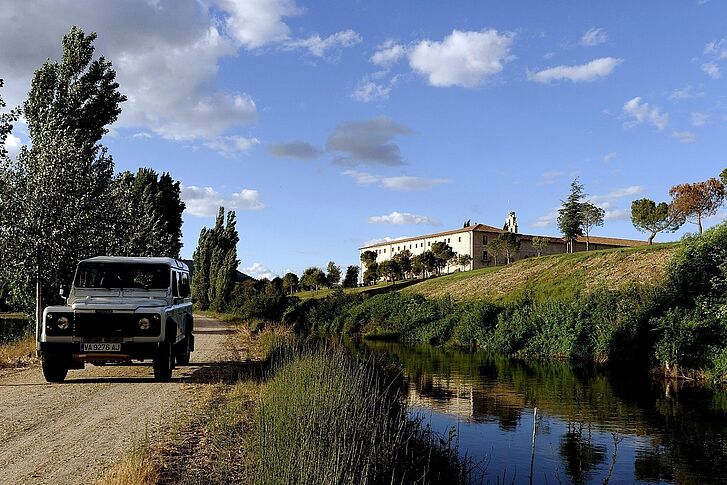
column 580, row 455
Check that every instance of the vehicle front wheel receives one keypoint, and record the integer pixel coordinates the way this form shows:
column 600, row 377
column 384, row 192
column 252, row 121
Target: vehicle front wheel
column 55, row 369
column 164, row 363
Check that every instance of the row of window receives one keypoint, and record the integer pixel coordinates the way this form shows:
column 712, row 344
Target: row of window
column 421, row 245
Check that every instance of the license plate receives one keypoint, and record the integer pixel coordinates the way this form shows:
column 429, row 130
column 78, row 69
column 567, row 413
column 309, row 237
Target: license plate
column 100, row 347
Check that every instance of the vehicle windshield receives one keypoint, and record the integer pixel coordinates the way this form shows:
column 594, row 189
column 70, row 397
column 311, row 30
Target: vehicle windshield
column 122, row 275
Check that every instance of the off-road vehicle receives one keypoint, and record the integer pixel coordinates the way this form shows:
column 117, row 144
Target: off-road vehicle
column 120, row 310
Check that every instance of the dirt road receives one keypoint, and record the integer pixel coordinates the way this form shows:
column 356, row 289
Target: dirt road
column 72, row 432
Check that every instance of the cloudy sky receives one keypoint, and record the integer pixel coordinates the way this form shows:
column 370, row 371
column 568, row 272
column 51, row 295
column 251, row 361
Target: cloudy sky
column 328, row 124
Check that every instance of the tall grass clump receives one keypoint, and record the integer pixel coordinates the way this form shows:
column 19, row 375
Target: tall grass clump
column 327, row 418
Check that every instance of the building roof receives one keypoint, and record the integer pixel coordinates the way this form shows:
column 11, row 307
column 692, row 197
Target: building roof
column 472, row 228
column 174, row 263
column 605, row 241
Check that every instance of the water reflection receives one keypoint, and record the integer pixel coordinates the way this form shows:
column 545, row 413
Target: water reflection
column 593, row 427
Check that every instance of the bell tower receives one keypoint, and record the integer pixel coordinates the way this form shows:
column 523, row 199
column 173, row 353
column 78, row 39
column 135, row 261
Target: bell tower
column 511, row 223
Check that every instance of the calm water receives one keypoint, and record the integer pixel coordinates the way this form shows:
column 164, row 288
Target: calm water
column 592, row 427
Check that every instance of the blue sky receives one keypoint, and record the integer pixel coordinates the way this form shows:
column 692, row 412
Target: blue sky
column 330, row 124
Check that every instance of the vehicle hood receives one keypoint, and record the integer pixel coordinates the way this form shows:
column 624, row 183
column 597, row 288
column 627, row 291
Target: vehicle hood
column 108, row 303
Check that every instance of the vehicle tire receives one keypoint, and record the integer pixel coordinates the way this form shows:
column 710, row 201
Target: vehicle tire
column 55, row 369
column 163, row 363
column 183, row 357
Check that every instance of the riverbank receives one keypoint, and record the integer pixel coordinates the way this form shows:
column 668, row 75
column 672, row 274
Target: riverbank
column 293, row 411
column 675, row 321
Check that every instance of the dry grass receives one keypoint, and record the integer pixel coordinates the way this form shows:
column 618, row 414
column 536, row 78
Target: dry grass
column 558, row 275
column 136, row 468
column 20, row 353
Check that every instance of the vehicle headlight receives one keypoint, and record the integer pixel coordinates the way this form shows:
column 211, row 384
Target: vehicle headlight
column 62, row 323
column 144, row 323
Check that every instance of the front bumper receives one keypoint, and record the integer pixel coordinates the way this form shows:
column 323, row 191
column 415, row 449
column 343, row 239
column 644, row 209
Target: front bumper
column 129, row 351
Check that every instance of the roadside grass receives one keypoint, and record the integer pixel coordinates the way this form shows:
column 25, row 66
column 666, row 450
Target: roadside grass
column 18, row 353
column 314, row 415
column 135, row 468
column 555, row 276
column 327, row 417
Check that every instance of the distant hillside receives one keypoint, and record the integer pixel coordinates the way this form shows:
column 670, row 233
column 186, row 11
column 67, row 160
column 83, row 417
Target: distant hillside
column 554, row 276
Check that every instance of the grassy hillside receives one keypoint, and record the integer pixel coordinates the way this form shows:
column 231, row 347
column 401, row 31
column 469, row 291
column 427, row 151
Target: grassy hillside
column 555, row 276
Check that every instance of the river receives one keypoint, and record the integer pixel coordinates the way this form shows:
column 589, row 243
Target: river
column 591, row 426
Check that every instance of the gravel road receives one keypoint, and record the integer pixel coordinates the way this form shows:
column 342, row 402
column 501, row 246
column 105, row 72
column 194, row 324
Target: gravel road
column 72, row 432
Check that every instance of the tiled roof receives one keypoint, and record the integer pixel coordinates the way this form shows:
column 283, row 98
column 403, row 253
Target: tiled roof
column 612, row 241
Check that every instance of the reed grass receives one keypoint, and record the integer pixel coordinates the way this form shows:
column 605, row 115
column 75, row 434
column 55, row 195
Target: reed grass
column 327, row 418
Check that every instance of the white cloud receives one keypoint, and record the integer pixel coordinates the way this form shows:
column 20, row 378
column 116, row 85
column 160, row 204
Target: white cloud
column 685, row 136
column 547, row 220
column 619, row 193
column 370, row 91
column 205, row 201
column 609, row 156
column 388, row 53
column 594, row 36
column 711, row 69
column 231, row 146
column 318, row 47
column 683, row 93
column 403, row 218
column 642, row 112
column 13, row 145
column 142, row 135
column 259, row 271
column 402, row 183
column 590, row 71
column 255, row 23
column 699, row 119
column 717, row 49
column 549, row 177
column 464, row 59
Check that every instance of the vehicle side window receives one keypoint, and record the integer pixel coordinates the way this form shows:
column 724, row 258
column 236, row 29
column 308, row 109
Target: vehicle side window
column 184, row 289
column 175, row 286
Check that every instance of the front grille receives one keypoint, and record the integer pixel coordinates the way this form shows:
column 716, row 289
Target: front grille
column 104, row 325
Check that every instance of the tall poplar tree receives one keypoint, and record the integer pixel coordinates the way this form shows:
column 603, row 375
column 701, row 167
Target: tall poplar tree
column 60, row 186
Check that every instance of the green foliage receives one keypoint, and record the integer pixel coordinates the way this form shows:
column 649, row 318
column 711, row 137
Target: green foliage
column 368, row 257
column 333, row 274
column 351, row 278
column 648, row 216
column 390, row 270
column 591, row 216
column 326, row 417
column 510, row 244
column 313, row 278
column 56, row 200
column 290, row 282
column 442, row 253
column 570, row 216
column 148, row 214
column 540, row 244
column 215, row 263
column 371, row 274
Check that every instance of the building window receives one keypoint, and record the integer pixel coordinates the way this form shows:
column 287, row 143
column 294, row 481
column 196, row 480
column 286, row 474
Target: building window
column 384, row 250
column 485, row 256
column 429, row 243
column 484, row 240
column 459, row 239
column 449, row 240
column 398, row 248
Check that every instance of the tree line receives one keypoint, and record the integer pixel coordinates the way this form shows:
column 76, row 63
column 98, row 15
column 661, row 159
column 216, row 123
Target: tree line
column 690, row 202
column 403, row 265
column 60, row 200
